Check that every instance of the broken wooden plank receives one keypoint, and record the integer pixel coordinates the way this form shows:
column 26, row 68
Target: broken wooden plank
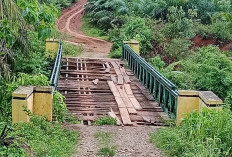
column 113, row 115
column 107, row 65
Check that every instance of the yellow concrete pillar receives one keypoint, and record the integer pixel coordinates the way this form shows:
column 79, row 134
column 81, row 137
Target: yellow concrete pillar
column 22, row 98
column 43, row 101
column 188, row 101
column 134, row 44
column 207, row 99
column 52, row 46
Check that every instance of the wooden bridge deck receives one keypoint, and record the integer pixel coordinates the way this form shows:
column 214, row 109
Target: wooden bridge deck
column 98, row 87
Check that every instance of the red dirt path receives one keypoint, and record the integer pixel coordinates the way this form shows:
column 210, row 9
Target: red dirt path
column 70, row 22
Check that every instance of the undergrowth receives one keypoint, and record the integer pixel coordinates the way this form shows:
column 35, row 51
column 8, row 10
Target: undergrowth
column 39, row 138
column 106, row 120
column 204, row 134
column 70, row 50
column 91, row 30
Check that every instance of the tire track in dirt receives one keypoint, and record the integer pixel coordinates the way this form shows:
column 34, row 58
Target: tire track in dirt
column 70, row 23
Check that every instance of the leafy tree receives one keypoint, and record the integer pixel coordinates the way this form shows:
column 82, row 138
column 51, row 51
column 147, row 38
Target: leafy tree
column 178, row 25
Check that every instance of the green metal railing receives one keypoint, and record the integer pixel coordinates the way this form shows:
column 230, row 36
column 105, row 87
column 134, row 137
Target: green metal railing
column 56, row 68
column 164, row 91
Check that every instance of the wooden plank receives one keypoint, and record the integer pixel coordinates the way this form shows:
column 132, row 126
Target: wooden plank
column 113, row 115
column 117, row 71
column 125, row 116
column 128, row 89
column 120, row 80
column 120, row 102
column 132, row 111
column 127, row 79
column 123, row 72
column 115, row 65
column 135, row 103
column 107, row 65
column 113, row 78
column 113, row 88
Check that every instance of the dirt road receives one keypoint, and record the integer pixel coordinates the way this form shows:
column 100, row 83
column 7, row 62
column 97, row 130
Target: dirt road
column 70, row 23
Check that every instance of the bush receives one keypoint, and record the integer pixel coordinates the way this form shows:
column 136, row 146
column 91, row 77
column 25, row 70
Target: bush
column 207, row 69
column 178, row 48
column 59, row 107
column 207, row 133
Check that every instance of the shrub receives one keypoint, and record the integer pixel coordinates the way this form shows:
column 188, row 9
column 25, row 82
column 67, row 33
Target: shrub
column 178, row 48
column 207, row 133
column 59, row 107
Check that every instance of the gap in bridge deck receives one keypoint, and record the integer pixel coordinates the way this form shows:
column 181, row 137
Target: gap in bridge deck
column 94, row 88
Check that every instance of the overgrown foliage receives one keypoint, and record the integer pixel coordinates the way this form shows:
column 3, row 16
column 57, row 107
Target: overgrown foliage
column 207, row 133
column 39, row 138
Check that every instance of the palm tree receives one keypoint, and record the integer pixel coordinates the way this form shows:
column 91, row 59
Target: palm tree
column 12, row 29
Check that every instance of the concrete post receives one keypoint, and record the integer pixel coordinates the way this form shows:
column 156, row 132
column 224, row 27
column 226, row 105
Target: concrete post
column 134, row 44
column 22, row 98
column 38, row 100
column 189, row 101
column 52, row 46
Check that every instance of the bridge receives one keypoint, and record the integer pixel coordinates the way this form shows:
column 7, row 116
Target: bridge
column 130, row 90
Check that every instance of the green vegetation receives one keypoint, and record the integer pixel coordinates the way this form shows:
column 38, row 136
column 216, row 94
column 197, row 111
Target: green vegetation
column 39, row 138
column 70, row 50
column 164, row 30
column 182, row 40
column 105, row 142
column 106, row 120
column 207, row 133
column 91, row 30
column 24, row 26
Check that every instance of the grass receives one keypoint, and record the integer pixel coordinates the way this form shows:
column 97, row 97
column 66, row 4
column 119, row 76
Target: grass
column 106, row 120
column 40, row 137
column 70, row 50
column 105, row 141
column 91, row 30
column 204, row 134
